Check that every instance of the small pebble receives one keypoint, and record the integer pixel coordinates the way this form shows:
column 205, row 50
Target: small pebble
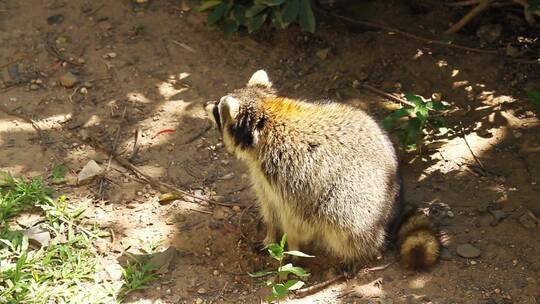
column 201, row 290
column 34, row 87
column 215, row 273
column 68, row 80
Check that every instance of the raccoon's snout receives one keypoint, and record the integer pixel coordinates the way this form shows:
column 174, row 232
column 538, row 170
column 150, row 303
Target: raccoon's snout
column 212, row 111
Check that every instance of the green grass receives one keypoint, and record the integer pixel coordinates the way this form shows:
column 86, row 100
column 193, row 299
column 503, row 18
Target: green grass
column 64, row 269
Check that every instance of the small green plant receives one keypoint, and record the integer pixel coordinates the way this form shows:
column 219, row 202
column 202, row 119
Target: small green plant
column 136, row 276
column 50, row 263
column 58, row 174
column 280, row 289
column 413, row 119
column 230, row 15
column 534, row 96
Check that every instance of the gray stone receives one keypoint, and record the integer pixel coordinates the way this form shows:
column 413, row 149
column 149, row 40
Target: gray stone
column 89, row 172
column 468, row 251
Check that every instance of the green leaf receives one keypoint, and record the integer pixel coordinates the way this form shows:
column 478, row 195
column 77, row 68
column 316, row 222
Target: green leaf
column 275, row 251
column 256, row 22
column 534, row 96
column 217, row 13
column 290, row 11
column 416, row 99
column 293, row 284
column 239, row 13
column 422, row 112
column 58, row 174
column 413, row 130
column 207, row 4
column 289, row 268
column 534, row 5
column 390, row 120
column 283, row 241
column 230, row 26
column 273, row 2
column 277, row 19
column 298, row 253
column 279, row 290
column 261, row 273
column 255, row 10
column 306, row 17
column 438, row 106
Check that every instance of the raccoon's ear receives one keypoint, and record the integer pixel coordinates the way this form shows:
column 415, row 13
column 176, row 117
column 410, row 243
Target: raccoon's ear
column 260, row 78
column 228, row 108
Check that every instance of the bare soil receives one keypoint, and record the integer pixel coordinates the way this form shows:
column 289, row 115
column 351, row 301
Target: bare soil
column 160, row 64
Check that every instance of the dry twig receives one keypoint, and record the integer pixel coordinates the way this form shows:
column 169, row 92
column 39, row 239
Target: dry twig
column 50, row 46
column 387, row 95
column 482, row 5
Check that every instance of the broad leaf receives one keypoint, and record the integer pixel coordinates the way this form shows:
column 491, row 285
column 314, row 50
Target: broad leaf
column 273, row 2
column 290, row 11
column 299, row 254
column 217, row 13
column 534, row 96
column 416, row 99
column 256, row 22
column 293, row 284
column 306, row 17
column 208, row 4
column 283, row 241
column 275, row 251
column 259, row 274
column 289, row 268
column 230, row 26
column 255, row 10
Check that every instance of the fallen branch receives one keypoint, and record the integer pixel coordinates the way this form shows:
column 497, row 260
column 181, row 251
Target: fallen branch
column 469, row 16
column 409, row 35
column 322, row 285
column 387, row 95
column 476, row 159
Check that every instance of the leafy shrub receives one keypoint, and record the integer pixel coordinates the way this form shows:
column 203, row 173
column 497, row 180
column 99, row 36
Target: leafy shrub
column 411, row 120
column 230, row 15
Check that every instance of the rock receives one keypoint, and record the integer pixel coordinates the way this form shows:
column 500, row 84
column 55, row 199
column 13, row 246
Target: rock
column 215, row 273
column 489, row 33
column 199, row 301
column 201, row 290
column 110, row 55
column 527, row 222
column 498, row 215
column 114, row 270
column 220, row 213
column 323, row 53
column 38, row 236
column 236, row 208
column 89, row 172
column 468, row 251
column 68, row 80
column 450, row 214
column 34, row 87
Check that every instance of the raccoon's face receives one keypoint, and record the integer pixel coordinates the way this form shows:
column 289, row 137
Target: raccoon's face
column 238, row 115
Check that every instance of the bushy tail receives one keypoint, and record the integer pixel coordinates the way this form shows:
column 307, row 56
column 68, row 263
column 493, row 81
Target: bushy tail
column 418, row 242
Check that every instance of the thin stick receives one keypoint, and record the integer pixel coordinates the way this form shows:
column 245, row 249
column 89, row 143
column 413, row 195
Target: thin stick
column 476, row 159
column 115, row 143
column 469, row 16
column 135, row 144
column 322, row 285
column 387, row 95
column 24, row 118
column 185, row 46
column 463, row 3
column 201, row 211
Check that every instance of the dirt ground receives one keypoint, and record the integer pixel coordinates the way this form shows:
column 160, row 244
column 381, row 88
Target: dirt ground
column 142, row 70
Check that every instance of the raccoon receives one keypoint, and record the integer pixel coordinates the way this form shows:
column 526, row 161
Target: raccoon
column 324, row 173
